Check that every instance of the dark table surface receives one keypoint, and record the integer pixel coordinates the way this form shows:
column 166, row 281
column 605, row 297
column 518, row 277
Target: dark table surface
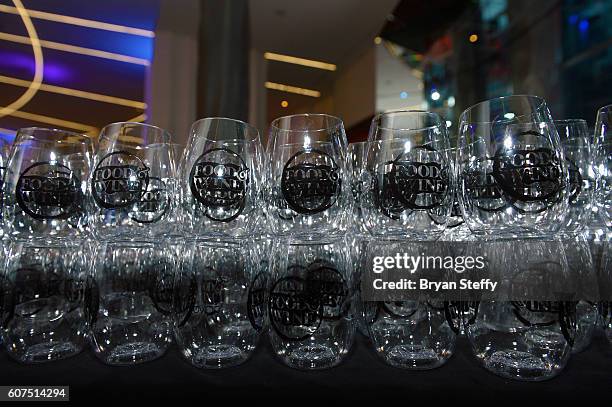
column 362, row 377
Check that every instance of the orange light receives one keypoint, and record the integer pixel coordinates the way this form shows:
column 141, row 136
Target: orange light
column 284, row 103
column 473, row 38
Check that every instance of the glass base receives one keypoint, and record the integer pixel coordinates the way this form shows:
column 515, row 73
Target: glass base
column 133, row 353
column 47, row 352
column 414, row 357
column 312, row 357
column 218, row 357
column 519, row 365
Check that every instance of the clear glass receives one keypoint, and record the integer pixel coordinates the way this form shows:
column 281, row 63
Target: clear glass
column 177, row 213
column 512, row 174
column 45, row 316
column 575, row 139
column 407, row 334
column 519, row 339
column 603, row 160
column 132, row 182
column 132, row 301
column 219, row 299
column 221, row 178
column 5, row 148
column 308, row 177
column 45, row 185
column 605, row 285
column 310, row 303
column 357, row 154
column 582, row 269
column 409, row 176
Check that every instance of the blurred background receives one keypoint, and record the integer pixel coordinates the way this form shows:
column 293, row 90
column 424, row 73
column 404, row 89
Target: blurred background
column 80, row 65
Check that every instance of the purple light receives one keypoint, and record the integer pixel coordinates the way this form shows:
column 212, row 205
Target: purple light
column 53, row 72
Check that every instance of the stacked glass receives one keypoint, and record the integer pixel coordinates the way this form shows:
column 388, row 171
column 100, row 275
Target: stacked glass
column 45, row 275
column 221, row 287
column 309, row 206
column 132, row 191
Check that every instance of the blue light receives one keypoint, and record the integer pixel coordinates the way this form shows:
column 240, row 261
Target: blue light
column 583, row 26
column 573, row 19
column 7, row 138
column 404, row 95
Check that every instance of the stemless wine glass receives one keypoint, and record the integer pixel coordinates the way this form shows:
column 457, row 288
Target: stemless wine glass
column 405, row 333
column 221, row 178
column 525, row 330
column 5, row 147
column 132, row 301
column 45, row 185
column 513, row 177
column 409, row 173
column 308, row 176
column 310, row 303
column 584, row 273
column 575, row 139
column 603, row 159
column 219, row 303
column 132, row 181
column 45, row 314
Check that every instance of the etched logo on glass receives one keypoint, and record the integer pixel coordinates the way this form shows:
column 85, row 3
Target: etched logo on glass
column 219, row 180
column 48, row 191
column 119, row 180
column 310, row 182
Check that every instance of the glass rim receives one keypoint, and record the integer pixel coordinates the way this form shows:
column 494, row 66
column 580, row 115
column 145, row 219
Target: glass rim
column 250, row 127
column 165, row 133
column 410, row 112
column 541, row 103
column 569, row 121
column 31, row 131
column 605, row 107
column 337, row 122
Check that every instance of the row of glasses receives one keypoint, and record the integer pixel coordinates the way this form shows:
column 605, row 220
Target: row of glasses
column 519, row 175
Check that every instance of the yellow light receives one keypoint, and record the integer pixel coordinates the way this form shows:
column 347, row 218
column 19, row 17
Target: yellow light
column 293, row 89
column 76, row 93
column 54, row 121
column 75, row 50
column 377, row 40
column 299, row 61
column 473, row 38
column 34, row 85
column 139, row 119
column 284, row 103
column 41, row 15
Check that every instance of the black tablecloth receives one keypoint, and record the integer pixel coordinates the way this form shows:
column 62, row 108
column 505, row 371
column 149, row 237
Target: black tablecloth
column 362, row 377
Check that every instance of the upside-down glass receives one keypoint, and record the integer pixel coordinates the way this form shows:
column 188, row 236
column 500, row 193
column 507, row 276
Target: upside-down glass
column 221, row 178
column 310, row 303
column 520, row 338
column 45, row 185
column 308, row 191
column 45, row 314
column 603, row 160
column 407, row 334
column 409, row 177
column 132, row 182
column 575, row 139
column 582, row 269
column 512, row 175
column 219, row 302
column 132, row 301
